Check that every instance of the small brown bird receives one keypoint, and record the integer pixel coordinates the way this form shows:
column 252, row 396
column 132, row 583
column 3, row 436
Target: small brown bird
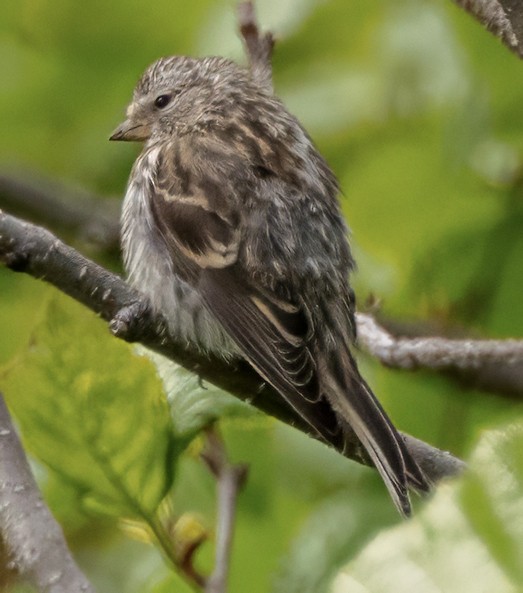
column 232, row 228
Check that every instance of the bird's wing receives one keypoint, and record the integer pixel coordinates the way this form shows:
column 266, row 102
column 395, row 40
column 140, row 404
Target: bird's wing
column 273, row 334
column 273, row 331
column 199, row 219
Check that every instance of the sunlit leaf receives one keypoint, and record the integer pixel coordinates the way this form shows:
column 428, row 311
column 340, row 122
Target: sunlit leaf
column 94, row 412
column 469, row 538
column 194, row 403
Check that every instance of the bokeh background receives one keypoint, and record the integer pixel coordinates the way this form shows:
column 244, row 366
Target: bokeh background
column 419, row 112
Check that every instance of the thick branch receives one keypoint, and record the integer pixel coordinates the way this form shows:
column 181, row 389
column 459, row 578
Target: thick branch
column 35, row 541
column 484, row 366
column 27, row 248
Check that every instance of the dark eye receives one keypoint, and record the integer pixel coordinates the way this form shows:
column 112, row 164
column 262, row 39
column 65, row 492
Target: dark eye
column 162, row 101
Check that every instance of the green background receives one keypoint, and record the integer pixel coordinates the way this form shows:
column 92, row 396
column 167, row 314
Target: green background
column 419, row 112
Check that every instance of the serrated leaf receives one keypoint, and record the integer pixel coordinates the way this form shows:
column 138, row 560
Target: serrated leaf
column 469, row 538
column 95, row 413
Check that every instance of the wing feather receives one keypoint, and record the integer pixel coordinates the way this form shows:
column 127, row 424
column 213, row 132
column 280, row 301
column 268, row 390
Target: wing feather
column 202, row 230
column 294, row 377
column 281, row 355
column 201, row 224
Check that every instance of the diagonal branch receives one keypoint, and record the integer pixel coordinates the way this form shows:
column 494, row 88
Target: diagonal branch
column 503, row 18
column 77, row 213
column 476, row 364
column 27, row 248
column 35, row 541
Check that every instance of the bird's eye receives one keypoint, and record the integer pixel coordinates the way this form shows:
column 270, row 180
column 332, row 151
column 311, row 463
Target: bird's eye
column 162, row 101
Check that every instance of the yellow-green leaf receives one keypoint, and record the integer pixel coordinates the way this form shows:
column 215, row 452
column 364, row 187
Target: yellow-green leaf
column 94, row 412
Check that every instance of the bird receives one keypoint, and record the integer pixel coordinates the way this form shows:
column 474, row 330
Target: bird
column 232, row 227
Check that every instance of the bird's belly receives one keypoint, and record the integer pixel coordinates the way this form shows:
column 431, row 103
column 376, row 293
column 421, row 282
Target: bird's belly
column 151, row 270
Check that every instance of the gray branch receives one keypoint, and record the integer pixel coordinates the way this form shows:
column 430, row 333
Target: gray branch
column 503, row 18
column 27, row 248
column 258, row 46
column 492, row 365
column 75, row 212
column 34, row 540
column 229, row 479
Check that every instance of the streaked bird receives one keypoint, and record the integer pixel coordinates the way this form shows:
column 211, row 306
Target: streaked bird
column 232, row 228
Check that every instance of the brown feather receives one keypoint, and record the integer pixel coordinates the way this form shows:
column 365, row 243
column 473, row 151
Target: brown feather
column 233, row 228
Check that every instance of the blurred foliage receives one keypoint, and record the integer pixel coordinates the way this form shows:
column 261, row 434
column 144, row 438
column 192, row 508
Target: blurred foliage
column 418, row 110
column 469, row 538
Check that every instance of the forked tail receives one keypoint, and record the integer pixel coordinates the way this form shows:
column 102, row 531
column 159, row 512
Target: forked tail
column 356, row 405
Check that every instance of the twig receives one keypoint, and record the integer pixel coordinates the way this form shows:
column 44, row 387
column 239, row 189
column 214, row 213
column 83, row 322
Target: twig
column 230, row 479
column 34, row 539
column 187, row 568
column 503, row 18
column 27, row 248
column 436, row 464
column 258, row 46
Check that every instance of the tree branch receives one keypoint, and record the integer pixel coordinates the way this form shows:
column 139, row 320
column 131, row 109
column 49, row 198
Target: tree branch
column 35, row 541
column 477, row 364
column 484, row 367
column 490, row 365
column 486, row 364
column 258, row 46
column 230, row 479
column 75, row 212
column 503, row 18
column 27, row 248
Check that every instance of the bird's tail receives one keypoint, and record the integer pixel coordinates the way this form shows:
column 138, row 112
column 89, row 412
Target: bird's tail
column 357, row 407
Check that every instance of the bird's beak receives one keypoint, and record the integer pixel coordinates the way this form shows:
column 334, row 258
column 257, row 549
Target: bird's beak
column 130, row 131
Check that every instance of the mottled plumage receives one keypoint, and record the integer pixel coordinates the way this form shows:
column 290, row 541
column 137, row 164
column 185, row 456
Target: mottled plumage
column 232, row 227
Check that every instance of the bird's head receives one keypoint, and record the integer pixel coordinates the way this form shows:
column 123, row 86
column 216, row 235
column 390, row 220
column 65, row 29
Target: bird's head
column 179, row 93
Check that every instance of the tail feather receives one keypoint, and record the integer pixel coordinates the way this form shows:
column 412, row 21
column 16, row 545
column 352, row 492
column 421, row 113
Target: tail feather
column 358, row 408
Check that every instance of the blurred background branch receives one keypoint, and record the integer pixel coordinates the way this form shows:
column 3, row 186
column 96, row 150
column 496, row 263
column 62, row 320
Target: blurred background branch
column 73, row 212
column 258, row 46
column 491, row 365
column 230, row 479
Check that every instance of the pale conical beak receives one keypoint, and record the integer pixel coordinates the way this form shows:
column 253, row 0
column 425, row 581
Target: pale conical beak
column 130, row 131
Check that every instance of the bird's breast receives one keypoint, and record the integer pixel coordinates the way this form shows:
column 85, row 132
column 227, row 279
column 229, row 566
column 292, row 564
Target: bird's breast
column 151, row 268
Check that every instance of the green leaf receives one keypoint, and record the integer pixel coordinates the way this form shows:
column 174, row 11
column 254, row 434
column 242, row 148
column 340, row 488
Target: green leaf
column 95, row 413
column 492, row 498
column 195, row 404
column 336, row 530
column 469, row 538
column 170, row 584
